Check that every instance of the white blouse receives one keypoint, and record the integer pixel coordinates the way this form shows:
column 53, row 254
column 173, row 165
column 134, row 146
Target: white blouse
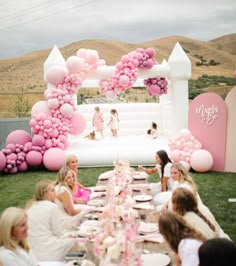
column 46, row 234
column 188, row 252
column 19, row 257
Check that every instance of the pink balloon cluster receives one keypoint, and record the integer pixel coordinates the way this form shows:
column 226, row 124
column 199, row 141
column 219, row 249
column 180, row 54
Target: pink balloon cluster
column 156, row 86
column 52, row 120
column 57, row 117
column 23, row 152
column 234, row 74
column 183, row 146
column 127, row 71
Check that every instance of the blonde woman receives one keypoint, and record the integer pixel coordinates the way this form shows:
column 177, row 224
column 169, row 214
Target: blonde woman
column 183, row 239
column 46, row 233
column 81, row 193
column 181, row 178
column 14, row 249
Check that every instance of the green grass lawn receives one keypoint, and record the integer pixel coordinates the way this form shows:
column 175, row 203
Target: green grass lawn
column 214, row 188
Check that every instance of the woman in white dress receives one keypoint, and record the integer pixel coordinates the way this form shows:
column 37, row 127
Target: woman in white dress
column 161, row 191
column 185, row 204
column 66, row 185
column 181, row 178
column 183, row 239
column 14, row 249
column 46, row 235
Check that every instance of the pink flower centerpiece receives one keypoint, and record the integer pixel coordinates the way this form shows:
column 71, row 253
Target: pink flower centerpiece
column 116, row 245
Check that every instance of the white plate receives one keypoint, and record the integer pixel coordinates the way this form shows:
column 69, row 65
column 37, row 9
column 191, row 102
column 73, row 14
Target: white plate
column 89, row 231
column 146, row 228
column 139, row 177
column 143, row 198
column 155, row 259
column 51, row 263
column 100, row 188
column 144, row 206
column 97, row 202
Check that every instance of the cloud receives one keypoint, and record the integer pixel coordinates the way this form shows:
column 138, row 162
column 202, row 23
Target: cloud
column 26, row 26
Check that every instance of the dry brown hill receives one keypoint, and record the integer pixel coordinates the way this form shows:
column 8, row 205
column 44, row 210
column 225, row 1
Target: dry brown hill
column 27, row 71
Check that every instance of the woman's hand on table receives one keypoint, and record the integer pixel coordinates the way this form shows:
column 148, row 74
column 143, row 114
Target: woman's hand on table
column 141, row 168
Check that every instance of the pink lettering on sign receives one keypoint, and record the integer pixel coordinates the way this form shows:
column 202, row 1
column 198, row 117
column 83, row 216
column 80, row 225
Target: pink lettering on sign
column 208, row 124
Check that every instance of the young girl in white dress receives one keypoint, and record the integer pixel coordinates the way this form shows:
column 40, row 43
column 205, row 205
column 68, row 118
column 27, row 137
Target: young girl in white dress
column 114, row 122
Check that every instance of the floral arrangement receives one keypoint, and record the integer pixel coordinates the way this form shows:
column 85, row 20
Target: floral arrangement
column 117, row 243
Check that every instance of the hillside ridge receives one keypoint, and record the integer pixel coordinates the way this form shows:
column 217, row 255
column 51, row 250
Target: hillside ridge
column 27, row 70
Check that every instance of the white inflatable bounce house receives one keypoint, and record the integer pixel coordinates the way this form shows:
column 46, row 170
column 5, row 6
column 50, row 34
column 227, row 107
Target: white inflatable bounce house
column 59, row 125
column 201, row 134
column 133, row 143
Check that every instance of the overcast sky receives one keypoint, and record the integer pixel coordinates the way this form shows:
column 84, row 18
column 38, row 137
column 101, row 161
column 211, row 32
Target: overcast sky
column 29, row 25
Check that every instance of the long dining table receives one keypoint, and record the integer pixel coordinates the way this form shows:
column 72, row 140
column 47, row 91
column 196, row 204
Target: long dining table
column 151, row 240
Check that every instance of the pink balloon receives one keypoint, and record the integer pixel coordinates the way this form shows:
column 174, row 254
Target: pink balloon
column 11, row 146
column 150, row 51
column 54, row 159
column 185, row 134
column 53, row 103
column 91, row 56
column 18, row 137
column 186, row 165
column 40, row 107
column 154, row 90
column 234, row 74
column 23, row 167
column 111, row 95
column 78, row 124
column 75, row 64
column 175, row 155
column 28, row 146
column 34, row 158
column 66, row 109
column 38, row 140
column 124, row 81
column 201, row 160
column 3, row 161
column 48, row 143
column 56, row 75
column 47, row 123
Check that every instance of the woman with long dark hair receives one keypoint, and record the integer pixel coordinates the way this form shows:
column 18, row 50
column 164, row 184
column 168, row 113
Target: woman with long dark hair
column 183, row 239
column 163, row 168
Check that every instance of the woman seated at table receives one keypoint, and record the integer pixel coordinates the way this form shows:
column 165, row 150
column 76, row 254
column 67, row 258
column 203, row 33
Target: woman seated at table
column 182, row 238
column 161, row 191
column 46, row 233
column 65, row 187
column 185, row 204
column 81, row 193
column 14, row 249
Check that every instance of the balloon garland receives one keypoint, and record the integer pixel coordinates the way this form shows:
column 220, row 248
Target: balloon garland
column 126, row 74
